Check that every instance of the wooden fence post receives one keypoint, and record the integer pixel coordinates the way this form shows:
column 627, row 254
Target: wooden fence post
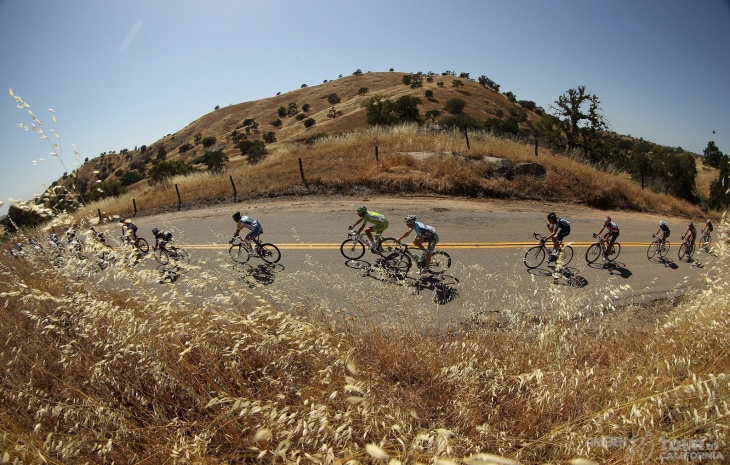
column 101, row 220
column 301, row 172
column 234, row 188
column 536, row 153
column 466, row 135
column 178, row 197
column 135, row 207
column 376, row 153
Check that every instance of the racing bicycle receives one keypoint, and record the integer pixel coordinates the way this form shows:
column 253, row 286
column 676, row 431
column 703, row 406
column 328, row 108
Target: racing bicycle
column 686, row 249
column 354, row 246
column 536, row 255
column 241, row 250
column 164, row 251
column 656, row 247
column 401, row 260
column 599, row 248
column 140, row 243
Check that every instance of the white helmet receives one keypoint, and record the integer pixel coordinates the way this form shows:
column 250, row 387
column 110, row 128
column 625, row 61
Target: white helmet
column 662, row 223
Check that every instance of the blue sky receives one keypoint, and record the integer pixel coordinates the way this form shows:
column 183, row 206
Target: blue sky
column 126, row 73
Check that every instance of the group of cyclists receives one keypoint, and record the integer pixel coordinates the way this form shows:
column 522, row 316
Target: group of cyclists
column 374, row 225
column 560, row 228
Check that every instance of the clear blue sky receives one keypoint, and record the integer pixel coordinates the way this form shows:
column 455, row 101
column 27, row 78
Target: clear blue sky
column 121, row 74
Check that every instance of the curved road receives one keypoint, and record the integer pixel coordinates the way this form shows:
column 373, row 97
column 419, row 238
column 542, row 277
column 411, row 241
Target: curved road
column 486, row 240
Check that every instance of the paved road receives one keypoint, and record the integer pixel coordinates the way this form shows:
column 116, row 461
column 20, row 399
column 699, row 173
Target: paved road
column 486, row 240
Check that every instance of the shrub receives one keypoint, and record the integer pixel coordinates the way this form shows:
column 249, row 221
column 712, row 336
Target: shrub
column 406, row 109
column 499, row 113
column 257, row 152
column 292, row 109
column 215, row 161
column 429, row 79
column 429, row 94
column 119, row 173
column 198, row 137
column 269, row 137
column 309, row 122
column 362, row 91
column 406, row 79
column 333, row 99
column 461, row 121
column 161, row 153
column 105, row 189
column 209, row 141
column 501, row 127
column 357, row 72
column 510, row 96
column 528, row 104
column 131, row 177
column 185, row 147
column 248, row 122
column 305, row 107
column 433, row 114
column 303, row 86
column 300, row 116
column 464, row 75
column 333, row 113
column 281, row 112
column 457, row 83
column 314, row 138
column 440, row 83
column 455, row 106
column 164, row 170
column 391, row 69
column 277, row 123
column 519, row 114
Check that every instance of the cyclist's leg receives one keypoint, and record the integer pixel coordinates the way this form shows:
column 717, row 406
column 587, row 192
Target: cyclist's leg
column 369, row 232
column 254, row 235
column 429, row 251
column 379, row 229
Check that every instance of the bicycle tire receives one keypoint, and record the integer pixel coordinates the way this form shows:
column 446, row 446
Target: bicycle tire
column 440, row 262
column 652, row 250
column 398, row 263
column 567, row 254
column 682, row 251
column 534, row 257
column 269, row 253
column 182, row 255
column 663, row 252
column 615, row 251
column 142, row 245
column 352, row 249
column 705, row 241
column 387, row 246
column 162, row 257
column 592, row 254
column 239, row 253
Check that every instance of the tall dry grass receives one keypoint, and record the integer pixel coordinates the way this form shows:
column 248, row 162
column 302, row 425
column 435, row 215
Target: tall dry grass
column 346, row 164
column 109, row 366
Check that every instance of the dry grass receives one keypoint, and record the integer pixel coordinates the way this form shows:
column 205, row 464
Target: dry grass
column 106, row 367
column 346, row 164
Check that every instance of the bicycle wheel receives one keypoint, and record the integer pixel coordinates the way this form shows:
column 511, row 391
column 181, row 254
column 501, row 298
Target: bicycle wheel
column 181, row 255
column 239, row 253
column 142, row 245
column 440, row 262
column 663, row 252
column 682, row 251
column 162, row 256
column 615, row 251
column 652, row 250
column 534, row 257
column 398, row 263
column 352, row 249
column 567, row 254
column 705, row 242
column 593, row 253
column 388, row 246
column 269, row 253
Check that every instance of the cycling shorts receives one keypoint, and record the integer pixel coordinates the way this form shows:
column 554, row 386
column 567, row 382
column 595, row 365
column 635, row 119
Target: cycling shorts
column 380, row 227
column 613, row 235
column 432, row 241
column 256, row 231
column 563, row 233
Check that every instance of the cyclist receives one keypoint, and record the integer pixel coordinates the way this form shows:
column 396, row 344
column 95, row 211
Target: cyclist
column 612, row 231
column 54, row 242
column 559, row 228
column 423, row 232
column 707, row 229
column 35, row 244
column 248, row 223
column 162, row 238
column 692, row 233
column 379, row 224
column 70, row 235
column 663, row 232
column 129, row 229
column 98, row 235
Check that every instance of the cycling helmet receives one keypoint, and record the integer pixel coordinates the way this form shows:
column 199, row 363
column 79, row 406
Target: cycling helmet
column 362, row 209
column 410, row 219
column 607, row 220
column 237, row 216
column 155, row 231
column 708, row 221
column 691, row 224
column 551, row 216
column 662, row 223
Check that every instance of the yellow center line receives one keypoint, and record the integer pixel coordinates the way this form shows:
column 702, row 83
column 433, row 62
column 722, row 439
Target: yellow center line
column 441, row 245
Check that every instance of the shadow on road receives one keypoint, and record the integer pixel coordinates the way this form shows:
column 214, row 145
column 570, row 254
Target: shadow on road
column 171, row 272
column 443, row 285
column 259, row 275
column 566, row 275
